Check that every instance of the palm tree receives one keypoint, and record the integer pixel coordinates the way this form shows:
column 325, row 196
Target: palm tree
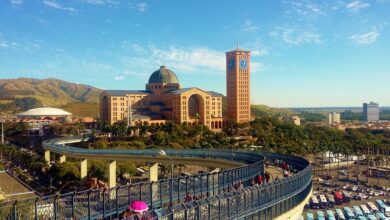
column 347, row 151
column 378, row 160
column 337, row 150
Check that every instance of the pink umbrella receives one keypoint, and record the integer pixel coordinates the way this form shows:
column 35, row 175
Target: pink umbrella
column 138, row 206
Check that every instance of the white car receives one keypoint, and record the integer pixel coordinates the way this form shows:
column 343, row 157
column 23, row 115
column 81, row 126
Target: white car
column 343, row 172
column 362, row 195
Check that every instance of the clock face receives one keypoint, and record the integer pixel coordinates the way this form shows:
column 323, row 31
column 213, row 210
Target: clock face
column 231, row 63
column 243, row 64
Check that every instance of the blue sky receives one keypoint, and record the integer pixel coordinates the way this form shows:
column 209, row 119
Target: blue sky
column 304, row 52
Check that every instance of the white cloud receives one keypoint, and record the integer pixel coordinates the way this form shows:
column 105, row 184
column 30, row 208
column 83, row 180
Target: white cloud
column 16, row 2
column 249, row 27
column 8, row 44
column 56, row 5
column 3, row 44
column 18, row 45
column 183, row 60
column 95, row 2
column 261, row 52
column 366, row 38
column 306, row 9
column 356, row 5
column 296, row 37
column 101, row 2
column 118, row 78
column 256, row 47
column 142, row 7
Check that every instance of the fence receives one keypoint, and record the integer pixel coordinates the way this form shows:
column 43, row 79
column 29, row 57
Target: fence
column 217, row 200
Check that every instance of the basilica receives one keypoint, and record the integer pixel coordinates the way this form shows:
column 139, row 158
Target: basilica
column 164, row 100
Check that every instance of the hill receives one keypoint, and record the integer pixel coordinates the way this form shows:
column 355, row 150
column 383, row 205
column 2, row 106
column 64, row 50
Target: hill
column 262, row 110
column 25, row 93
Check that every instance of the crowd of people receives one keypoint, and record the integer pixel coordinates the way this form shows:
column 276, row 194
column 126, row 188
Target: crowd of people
column 262, row 178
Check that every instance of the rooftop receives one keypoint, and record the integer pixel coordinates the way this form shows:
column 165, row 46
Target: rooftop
column 125, row 92
column 44, row 111
column 163, row 75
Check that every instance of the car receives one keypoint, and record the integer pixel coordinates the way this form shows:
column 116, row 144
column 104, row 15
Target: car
column 362, row 195
column 379, row 187
column 328, row 183
column 343, row 172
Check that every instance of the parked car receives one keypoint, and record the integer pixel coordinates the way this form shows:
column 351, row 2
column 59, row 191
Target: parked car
column 343, row 172
column 357, row 197
column 362, row 195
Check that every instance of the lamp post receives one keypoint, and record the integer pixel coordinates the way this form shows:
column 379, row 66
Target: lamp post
column 164, row 154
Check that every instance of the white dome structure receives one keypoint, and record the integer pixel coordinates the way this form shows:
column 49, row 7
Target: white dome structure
column 45, row 111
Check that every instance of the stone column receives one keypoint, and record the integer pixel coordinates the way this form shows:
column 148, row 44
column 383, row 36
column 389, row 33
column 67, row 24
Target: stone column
column 62, row 158
column 47, row 156
column 112, row 174
column 153, row 172
column 83, row 168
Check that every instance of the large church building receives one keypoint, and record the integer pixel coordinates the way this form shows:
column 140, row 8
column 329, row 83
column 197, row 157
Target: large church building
column 164, row 100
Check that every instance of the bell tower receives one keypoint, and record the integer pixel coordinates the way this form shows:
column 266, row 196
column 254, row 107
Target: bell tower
column 238, row 85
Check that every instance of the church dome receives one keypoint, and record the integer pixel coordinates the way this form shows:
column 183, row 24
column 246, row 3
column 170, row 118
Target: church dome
column 163, row 75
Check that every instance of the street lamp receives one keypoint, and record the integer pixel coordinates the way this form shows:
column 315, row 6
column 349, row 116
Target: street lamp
column 164, row 154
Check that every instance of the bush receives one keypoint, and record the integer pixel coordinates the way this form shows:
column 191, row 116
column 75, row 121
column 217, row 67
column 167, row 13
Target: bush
column 138, row 144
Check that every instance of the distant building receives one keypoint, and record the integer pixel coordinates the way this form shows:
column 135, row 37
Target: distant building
column 296, row 120
column 334, row 118
column 371, row 111
column 38, row 113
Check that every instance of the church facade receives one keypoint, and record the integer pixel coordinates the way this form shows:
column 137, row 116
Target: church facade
column 164, row 100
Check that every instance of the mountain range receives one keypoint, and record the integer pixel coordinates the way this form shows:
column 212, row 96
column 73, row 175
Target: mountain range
column 24, row 93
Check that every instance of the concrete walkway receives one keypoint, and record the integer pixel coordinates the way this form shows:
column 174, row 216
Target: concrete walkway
column 13, row 189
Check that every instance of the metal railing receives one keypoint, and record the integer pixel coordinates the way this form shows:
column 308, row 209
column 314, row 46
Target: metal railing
column 217, row 197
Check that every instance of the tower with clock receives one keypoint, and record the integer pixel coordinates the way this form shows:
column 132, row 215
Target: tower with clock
column 238, row 85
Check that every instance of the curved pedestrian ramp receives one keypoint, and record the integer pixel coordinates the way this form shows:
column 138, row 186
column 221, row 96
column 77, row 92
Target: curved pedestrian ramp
column 227, row 194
